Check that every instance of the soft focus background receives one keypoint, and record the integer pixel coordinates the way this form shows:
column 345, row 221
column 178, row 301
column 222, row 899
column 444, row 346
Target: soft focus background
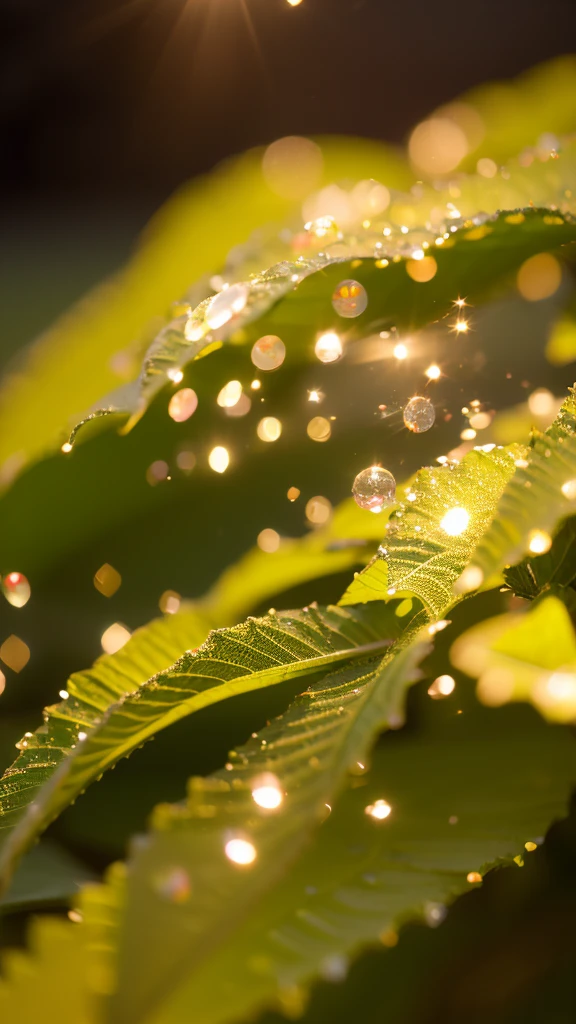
column 107, row 108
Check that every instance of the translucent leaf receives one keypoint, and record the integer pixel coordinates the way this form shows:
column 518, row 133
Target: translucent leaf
column 540, row 495
column 92, row 349
column 48, row 876
column 561, row 344
column 430, row 539
column 103, row 720
column 53, row 973
column 526, row 657
column 293, row 298
column 554, row 569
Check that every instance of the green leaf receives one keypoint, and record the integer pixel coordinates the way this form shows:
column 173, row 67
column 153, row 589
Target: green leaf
column 293, row 298
column 554, row 569
column 48, row 876
column 359, row 879
column 103, row 719
column 90, row 695
column 524, row 657
column 421, row 555
column 51, row 976
column 92, row 349
column 307, row 754
column 539, row 496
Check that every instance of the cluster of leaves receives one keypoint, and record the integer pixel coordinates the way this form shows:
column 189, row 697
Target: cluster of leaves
column 230, row 904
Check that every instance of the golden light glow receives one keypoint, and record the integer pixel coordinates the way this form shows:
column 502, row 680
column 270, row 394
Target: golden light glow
column 421, row 268
column 182, row 404
column 315, row 396
column 157, row 471
column 176, row 376
column 268, row 541
column 539, row 542
column 15, row 653
column 433, row 372
column 16, row 589
column 437, row 146
column 455, row 522
column 269, row 429
column 240, row 851
column 569, row 490
column 2, row 682
column 468, row 434
column 471, row 579
column 169, row 602
column 267, row 792
column 328, row 347
column 379, row 810
column 461, row 326
column 107, row 580
column 256, row 385
column 539, row 277
column 293, row 493
column 473, row 877
column 230, row 394
column 226, row 304
column 66, row 447
column 268, row 353
column 292, row 166
column 219, row 459
column 443, row 686
column 114, row 638
column 318, row 510
column 486, row 167
column 542, row 403
column 480, row 420
column 319, row 429
column 400, row 351
column 530, row 847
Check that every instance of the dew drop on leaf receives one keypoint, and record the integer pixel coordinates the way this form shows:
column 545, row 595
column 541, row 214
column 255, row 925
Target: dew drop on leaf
column 226, row 304
column 240, row 851
column 268, row 353
column 374, row 488
column 419, row 414
column 350, row 299
column 16, row 589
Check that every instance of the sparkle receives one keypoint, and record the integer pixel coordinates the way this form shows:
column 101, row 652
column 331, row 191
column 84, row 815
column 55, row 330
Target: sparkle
column 400, row 351
column 433, row 372
column 256, row 385
column 315, row 396
column 66, row 447
column 473, row 877
column 176, row 376
column 569, row 490
column 230, row 394
column 461, row 326
column 240, row 851
column 379, row 810
column 455, row 522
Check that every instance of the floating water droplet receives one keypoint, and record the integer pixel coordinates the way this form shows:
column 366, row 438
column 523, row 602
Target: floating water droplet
column 328, row 348
column 15, row 653
column 16, row 589
column 107, row 580
column 269, row 429
column 219, row 459
column 443, row 686
column 319, row 429
column 268, row 353
column 419, row 414
column 268, row 540
column 182, row 404
column 240, row 851
column 374, row 488
column 350, row 299
column 292, row 493
column 230, row 394
column 169, row 602
column 542, row 403
column 226, row 304
column 433, row 372
column 318, row 510
column 114, row 638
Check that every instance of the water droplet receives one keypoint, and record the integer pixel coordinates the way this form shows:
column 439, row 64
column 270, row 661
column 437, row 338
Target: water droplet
column 16, row 589
column 267, row 792
column 169, row 602
column 268, row 353
column 419, row 414
column 379, row 810
column 269, row 429
column 324, row 229
column 230, row 394
column 268, row 541
column 318, row 510
column 433, row 372
column 443, row 686
column 539, row 542
column 114, row 638
column 226, row 304
column 292, row 493
column 328, row 349
column 182, row 404
column 240, row 851
column 219, row 459
column 319, row 429
column 374, row 488
column 107, row 580
column 350, row 299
